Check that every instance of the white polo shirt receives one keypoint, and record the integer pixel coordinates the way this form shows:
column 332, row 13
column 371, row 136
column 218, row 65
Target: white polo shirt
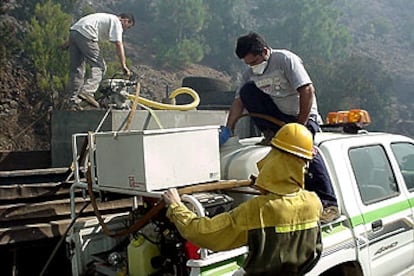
column 99, row 27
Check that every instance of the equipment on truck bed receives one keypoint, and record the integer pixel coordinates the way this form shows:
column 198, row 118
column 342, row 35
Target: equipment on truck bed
column 375, row 224
column 120, row 94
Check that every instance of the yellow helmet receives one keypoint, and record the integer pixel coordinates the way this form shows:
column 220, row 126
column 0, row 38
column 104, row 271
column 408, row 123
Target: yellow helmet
column 295, row 139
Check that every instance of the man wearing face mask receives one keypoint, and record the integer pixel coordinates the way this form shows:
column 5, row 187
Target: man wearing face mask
column 277, row 84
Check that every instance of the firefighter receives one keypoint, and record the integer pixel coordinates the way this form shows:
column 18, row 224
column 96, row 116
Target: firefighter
column 280, row 226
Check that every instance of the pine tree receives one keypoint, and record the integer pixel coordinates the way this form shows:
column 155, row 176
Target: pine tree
column 47, row 32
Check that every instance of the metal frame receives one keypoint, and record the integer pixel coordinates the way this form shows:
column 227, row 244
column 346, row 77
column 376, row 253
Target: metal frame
column 206, row 257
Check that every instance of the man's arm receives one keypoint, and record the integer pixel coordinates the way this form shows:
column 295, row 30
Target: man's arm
column 221, row 232
column 305, row 102
column 121, row 55
column 236, row 110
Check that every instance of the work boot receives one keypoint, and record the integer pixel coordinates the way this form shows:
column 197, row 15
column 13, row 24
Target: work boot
column 329, row 214
column 268, row 136
column 89, row 98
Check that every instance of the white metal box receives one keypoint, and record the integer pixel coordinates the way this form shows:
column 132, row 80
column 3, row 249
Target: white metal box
column 152, row 160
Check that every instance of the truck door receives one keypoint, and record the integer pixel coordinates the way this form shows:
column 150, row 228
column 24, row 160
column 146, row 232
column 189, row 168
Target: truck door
column 386, row 212
column 404, row 154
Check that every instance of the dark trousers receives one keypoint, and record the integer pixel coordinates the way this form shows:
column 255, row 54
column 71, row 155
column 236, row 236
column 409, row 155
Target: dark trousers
column 317, row 178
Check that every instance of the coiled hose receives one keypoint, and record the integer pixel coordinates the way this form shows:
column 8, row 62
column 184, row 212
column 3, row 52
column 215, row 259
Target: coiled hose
column 176, row 92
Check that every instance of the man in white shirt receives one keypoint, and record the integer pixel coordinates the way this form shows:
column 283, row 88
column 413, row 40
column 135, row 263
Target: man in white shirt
column 84, row 49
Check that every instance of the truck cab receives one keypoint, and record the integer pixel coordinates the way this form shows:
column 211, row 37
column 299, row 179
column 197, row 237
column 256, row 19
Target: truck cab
column 372, row 175
column 372, row 180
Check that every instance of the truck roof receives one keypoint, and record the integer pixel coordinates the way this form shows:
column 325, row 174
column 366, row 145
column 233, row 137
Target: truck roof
column 369, row 137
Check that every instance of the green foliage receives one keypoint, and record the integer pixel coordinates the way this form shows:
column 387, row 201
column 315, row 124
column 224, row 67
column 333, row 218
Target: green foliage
column 87, row 9
column 190, row 31
column 358, row 82
column 178, row 24
column 378, row 27
column 47, row 31
column 66, row 5
column 313, row 30
column 310, row 28
column 226, row 20
column 184, row 52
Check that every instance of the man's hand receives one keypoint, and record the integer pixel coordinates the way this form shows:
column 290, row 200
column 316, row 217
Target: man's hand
column 224, row 134
column 171, row 196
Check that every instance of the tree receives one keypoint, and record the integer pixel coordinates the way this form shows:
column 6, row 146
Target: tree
column 310, row 28
column 47, row 31
column 226, row 20
column 359, row 82
column 178, row 24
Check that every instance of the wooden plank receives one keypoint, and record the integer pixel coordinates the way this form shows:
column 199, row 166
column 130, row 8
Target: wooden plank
column 33, row 172
column 35, row 204
column 22, row 192
column 44, row 211
column 33, row 176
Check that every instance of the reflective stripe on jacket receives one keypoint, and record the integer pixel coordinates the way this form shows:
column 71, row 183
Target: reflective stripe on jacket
column 282, row 231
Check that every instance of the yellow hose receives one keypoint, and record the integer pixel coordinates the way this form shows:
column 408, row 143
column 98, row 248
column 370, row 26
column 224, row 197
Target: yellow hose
column 178, row 91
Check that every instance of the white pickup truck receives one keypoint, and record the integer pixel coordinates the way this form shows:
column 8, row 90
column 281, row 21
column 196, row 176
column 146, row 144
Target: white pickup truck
column 373, row 178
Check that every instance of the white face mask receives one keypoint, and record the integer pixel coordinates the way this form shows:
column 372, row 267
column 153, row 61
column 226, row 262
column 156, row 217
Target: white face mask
column 259, row 69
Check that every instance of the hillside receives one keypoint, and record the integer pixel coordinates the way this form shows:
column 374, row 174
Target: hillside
column 383, row 30
column 379, row 29
column 25, row 127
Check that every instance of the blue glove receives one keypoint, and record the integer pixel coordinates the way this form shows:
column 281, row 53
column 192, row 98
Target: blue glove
column 224, row 134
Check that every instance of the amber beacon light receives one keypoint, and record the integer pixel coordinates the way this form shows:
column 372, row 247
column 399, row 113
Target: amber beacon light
column 351, row 116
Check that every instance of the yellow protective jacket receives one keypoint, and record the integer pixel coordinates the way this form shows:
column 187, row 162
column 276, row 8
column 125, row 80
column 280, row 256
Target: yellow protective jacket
column 281, row 230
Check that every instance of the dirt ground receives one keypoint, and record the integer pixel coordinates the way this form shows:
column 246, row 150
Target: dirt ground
column 23, row 124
